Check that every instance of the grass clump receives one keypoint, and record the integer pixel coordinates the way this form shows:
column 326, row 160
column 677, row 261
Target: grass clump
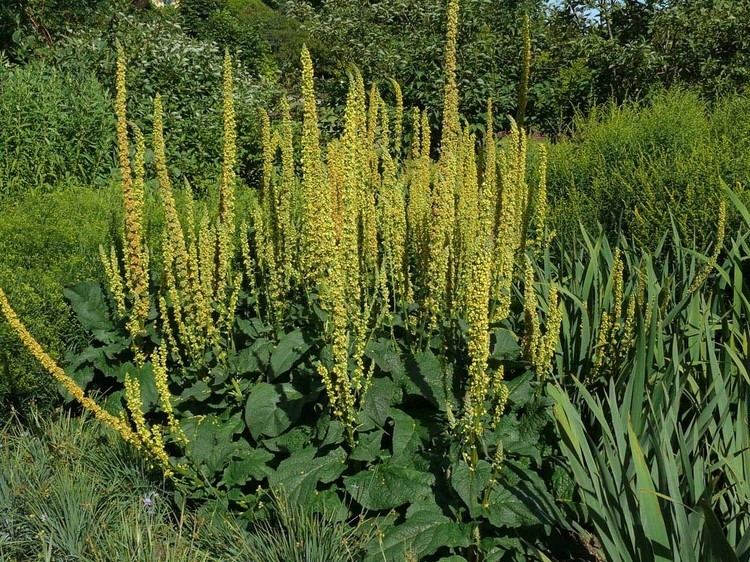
column 47, row 240
column 56, row 127
column 636, row 169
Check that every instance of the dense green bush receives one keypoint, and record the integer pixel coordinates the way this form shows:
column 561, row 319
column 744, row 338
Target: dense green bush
column 640, row 168
column 187, row 72
column 46, row 241
column 404, row 40
column 56, row 126
column 237, row 26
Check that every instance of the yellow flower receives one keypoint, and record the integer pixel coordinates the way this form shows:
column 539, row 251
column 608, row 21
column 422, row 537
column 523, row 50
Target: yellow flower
column 61, row 377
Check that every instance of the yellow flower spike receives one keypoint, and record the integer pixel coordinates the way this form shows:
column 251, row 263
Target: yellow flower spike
column 137, row 269
column 287, row 190
column 478, row 344
column 531, row 319
column 548, row 343
column 228, row 180
column 268, row 151
column 318, row 232
column 416, row 138
column 161, row 381
column 467, row 232
column 247, row 259
column 398, row 119
column 426, row 135
column 134, row 248
column 602, row 342
column 135, row 407
column 523, row 86
column 451, row 125
column 174, row 235
column 443, row 211
column 114, row 279
column 61, row 377
column 721, row 224
column 267, row 262
column 166, row 327
column 123, row 146
column 510, row 218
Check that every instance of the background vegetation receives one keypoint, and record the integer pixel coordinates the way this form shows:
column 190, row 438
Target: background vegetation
column 633, row 447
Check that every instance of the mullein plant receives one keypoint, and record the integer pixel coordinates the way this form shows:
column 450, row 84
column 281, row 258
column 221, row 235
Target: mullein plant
column 368, row 228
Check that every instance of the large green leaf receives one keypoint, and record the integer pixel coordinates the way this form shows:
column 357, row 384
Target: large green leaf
column 505, row 346
column 300, row 474
column 378, row 400
column 470, row 483
column 427, row 377
column 250, row 466
column 388, row 485
column 271, row 409
column 368, row 446
column 422, row 534
column 407, row 436
column 289, row 350
column 88, row 302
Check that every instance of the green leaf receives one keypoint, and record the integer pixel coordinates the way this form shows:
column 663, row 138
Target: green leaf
column 378, row 402
column 271, row 409
column 88, row 302
column 293, row 440
column 300, row 474
column 245, row 362
column 289, row 350
column 386, row 356
column 407, row 436
column 506, row 346
column 368, row 446
column 469, row 484
column 388, row 485
column 328, row 503
column 198, row 391
column 653, row 521
column 427, row 374
column 251, row 466
column 422, row 534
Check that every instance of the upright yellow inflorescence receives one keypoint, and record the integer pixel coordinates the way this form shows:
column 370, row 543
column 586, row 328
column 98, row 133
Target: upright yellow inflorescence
column 398, row 119
column 317, row 224
column 477, row 316
column 539, row 348
column 444, row 191
column 226, row 224
column 509, row 228
column 132, row 295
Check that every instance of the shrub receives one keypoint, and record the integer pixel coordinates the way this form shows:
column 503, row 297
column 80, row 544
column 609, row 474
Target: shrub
column 351, row 342
column 187, row 71
column 55, row 127
column 47, row 240
column 638, row 168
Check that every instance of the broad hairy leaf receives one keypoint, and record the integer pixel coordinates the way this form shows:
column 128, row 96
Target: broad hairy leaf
column 300, row 474
column 422, row 534
column 271, row 409
column 289, row 350
column 389, row 485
